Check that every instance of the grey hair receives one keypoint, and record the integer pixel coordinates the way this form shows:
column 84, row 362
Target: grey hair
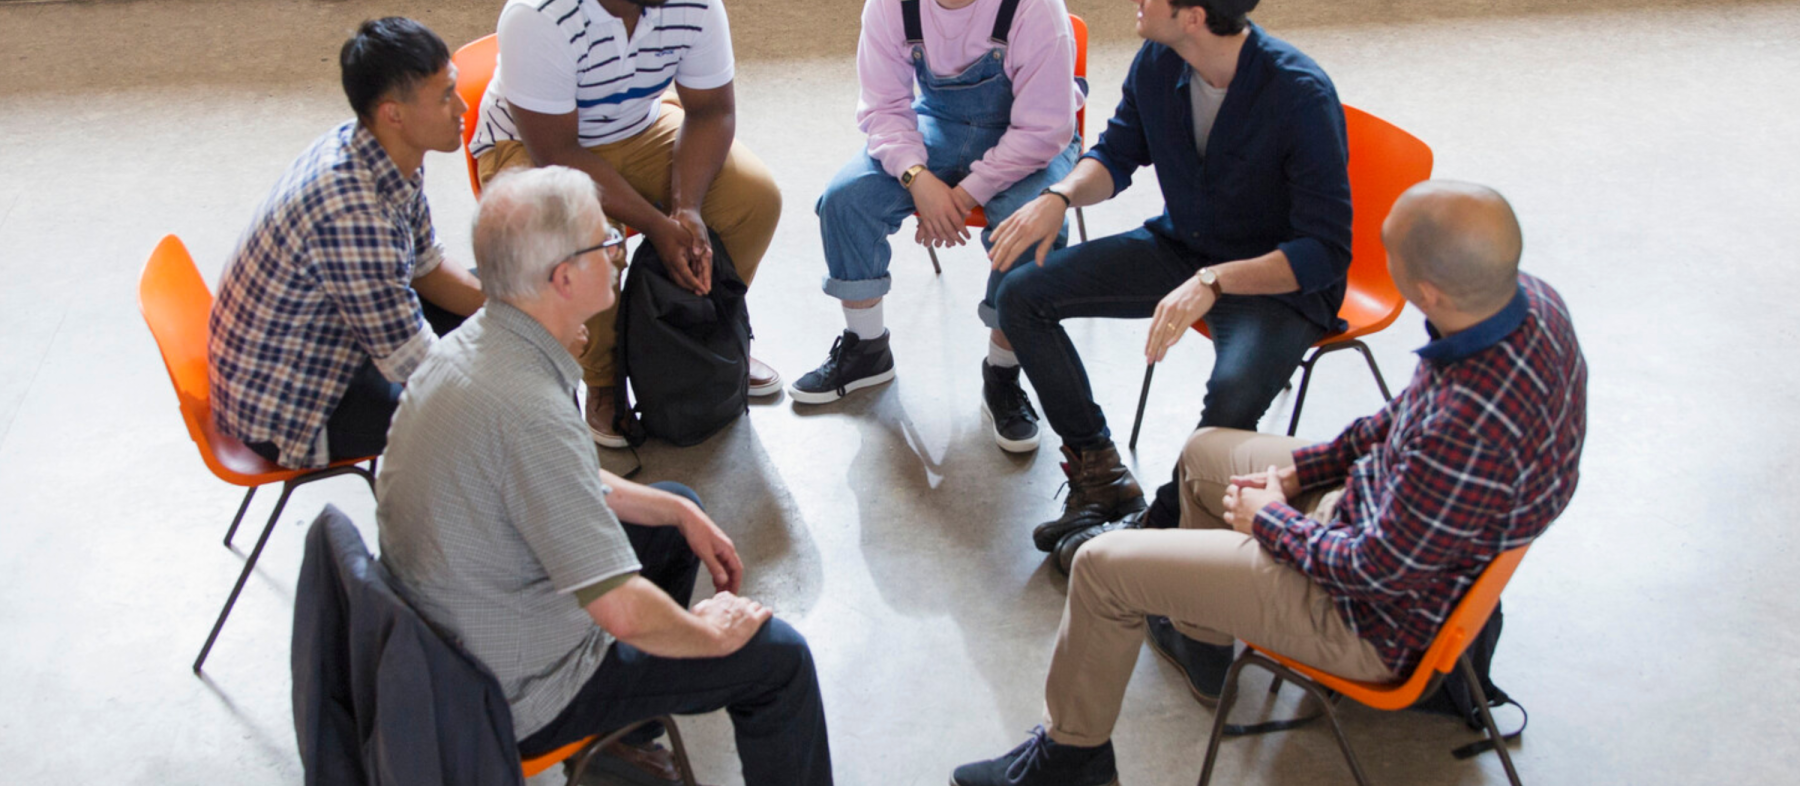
column 527, row 222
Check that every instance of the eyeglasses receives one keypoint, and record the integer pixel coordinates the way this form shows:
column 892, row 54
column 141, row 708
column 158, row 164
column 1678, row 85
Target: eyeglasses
column 613, row 238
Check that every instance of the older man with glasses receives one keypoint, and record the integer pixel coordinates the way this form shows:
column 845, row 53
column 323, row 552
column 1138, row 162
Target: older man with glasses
column 568, row 582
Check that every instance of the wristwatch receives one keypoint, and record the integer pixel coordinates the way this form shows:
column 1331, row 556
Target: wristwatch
column 911, row 173
column 1210, row 278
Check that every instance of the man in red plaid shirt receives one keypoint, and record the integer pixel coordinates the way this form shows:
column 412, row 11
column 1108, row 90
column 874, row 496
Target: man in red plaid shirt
column 1347, row 555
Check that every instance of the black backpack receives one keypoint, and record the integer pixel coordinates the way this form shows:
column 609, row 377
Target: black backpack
column 1454, row 698
column 686, row 357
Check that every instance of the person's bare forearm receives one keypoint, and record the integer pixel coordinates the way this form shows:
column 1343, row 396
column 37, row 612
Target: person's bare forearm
column 700, row 149
column 449, row 287
column 1268, row 274
column 640, row 614
column 1089, row 183
column 556, row 140
column 640, row 504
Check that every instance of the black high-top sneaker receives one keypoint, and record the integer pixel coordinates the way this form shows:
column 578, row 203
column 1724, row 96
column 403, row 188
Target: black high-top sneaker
column 1101, row 489
column 1008, row 409
column 853, row 364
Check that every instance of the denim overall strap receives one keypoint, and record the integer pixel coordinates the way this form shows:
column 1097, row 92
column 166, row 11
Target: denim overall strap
column 981, row 95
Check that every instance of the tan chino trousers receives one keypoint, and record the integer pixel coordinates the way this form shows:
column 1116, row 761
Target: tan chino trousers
column 1213, row 583
column 743, row 205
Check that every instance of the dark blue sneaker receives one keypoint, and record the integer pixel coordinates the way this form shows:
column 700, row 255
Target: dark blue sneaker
column 1205, row 665
column 1040, row 761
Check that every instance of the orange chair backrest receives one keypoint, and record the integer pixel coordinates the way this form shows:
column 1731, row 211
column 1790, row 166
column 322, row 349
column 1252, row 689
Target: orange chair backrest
column 1081, row 41
column 176, row 306
column 1384, row 162
column 474, row 69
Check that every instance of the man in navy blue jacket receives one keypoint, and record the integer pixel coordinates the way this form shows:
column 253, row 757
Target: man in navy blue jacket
column 1247, row 138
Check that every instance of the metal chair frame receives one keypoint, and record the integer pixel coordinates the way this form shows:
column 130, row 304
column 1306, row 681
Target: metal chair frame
column 1306, row 367
column 1327, row 700
column 287, row 490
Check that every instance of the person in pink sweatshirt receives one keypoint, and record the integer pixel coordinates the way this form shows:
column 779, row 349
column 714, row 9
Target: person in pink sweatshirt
column 967, row 103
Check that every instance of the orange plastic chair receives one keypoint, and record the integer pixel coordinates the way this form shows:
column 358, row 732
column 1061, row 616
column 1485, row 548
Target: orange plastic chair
column 978, row 218
column 1448, row 650
column 474, row 69
column 1384, row 162
column 176, row 306
column 583, row 751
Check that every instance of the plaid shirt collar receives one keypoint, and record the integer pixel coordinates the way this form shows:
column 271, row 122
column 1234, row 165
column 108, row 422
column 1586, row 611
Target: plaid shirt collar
column 1444, row 350
column 393, row 187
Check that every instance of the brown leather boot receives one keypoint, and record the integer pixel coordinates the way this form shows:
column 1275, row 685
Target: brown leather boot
column 1101, row 489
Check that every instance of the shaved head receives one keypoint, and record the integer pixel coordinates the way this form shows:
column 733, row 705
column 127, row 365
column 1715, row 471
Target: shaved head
column 1461, row 238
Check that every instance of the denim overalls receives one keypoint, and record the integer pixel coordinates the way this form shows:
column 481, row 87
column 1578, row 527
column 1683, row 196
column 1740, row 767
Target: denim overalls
column 961, row 117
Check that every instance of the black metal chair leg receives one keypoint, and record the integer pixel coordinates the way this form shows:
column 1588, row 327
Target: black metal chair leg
column 934, row 262
column 1300, row 396
column 1376, row 370
column 249, row 565
column 1338, row 729
column 1481, row 702
column 681, row 755
column 1223, row 711
column 1081, row 224
column 242, row 506
column 1143, row 397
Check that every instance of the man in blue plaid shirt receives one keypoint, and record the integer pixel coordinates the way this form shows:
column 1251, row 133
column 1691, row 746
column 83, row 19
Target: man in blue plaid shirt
column 323, row 310
column 1349, row 555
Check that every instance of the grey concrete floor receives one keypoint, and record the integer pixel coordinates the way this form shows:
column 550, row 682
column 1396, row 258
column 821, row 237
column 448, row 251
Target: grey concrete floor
column 1648, row 147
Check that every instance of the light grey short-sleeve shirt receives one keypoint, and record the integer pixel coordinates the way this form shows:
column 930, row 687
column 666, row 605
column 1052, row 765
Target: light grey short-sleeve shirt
column 491, row 509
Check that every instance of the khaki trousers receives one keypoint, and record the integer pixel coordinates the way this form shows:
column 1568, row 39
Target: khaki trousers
column 743, row 205
column 1214, row 584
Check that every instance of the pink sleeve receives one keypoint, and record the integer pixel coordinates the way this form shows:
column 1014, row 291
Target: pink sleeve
column 1040, row 61
column 884, row 110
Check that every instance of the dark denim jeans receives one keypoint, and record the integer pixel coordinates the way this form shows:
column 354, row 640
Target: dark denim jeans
column 768, row 687
column 1258, row 341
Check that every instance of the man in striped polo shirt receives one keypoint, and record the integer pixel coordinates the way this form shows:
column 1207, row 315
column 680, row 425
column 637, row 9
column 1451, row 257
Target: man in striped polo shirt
column 580, row 83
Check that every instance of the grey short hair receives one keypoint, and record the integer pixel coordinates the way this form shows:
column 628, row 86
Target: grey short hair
column 527, row 222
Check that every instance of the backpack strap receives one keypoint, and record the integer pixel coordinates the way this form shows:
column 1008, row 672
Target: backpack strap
column 1003, row 22
column 915, row 31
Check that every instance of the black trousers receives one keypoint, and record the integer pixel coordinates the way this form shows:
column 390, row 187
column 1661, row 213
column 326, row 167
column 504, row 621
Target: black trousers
column 769, row 687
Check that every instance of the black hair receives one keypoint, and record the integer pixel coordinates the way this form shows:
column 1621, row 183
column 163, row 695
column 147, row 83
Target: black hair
column 388, row 56
column 1223, row 17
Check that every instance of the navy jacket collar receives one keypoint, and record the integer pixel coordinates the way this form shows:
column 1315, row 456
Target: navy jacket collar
column 1478, row 336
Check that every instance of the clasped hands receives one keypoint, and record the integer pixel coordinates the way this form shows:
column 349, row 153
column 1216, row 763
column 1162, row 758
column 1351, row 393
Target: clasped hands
column 686, row 250
column 943, row 211
column 1249, row 494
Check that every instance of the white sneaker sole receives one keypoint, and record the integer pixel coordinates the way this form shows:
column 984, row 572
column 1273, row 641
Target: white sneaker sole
column 828, row 396
column 1008, row 445
column 607, row 440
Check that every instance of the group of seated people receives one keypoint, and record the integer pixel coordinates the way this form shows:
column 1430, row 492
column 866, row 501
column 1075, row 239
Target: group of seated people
column 342, row 330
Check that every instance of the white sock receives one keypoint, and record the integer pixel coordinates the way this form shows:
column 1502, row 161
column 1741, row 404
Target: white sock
column 866, row 323
column 1001, row 358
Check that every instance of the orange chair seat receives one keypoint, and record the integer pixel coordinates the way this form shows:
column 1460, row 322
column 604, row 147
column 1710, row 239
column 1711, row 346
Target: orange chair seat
column 1465, row 622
